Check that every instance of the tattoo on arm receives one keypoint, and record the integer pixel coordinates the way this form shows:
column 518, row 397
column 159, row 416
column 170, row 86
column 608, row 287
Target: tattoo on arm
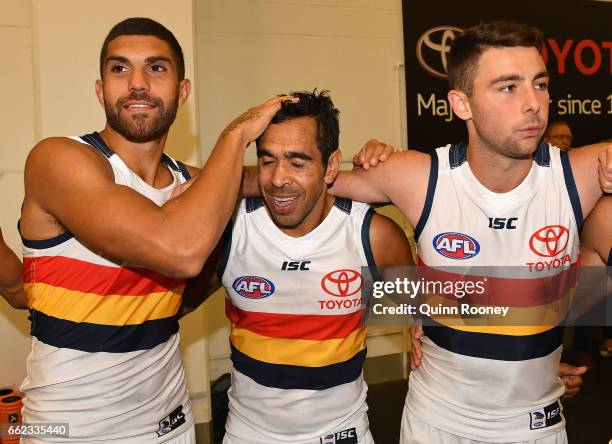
column 249, row 116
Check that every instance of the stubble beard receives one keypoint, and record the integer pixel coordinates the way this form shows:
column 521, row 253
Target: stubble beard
column 141, row 127
column 509, row 146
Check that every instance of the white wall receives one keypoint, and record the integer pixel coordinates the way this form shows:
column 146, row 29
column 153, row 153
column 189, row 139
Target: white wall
column 17, row 126
column 250, row 50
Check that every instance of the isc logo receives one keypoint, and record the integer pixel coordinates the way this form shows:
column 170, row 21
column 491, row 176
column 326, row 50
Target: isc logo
column 456, row 245
column 346, row 434
column 553, row 413
column 253, row 287
column 499, row 223
column 295, row 265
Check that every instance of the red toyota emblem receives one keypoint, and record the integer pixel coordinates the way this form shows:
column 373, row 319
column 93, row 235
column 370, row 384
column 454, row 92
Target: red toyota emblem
column 342, row 283
column 549, row 241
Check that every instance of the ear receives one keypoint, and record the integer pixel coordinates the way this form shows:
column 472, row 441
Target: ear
column 333, row 166
column 184, row 90
column 460, row 103
column 100, row 91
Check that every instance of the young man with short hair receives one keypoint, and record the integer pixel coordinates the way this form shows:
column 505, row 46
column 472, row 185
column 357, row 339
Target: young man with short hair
column 107, row 254
column 504, row 199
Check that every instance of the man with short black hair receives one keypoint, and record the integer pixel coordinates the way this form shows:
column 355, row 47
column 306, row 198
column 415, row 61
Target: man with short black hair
column 292, row 269
column 503, row 199
column 107, row 254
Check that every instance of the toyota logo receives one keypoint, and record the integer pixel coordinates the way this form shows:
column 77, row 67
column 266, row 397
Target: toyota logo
column 549, row 241
column 341, row 283
column 433, row 47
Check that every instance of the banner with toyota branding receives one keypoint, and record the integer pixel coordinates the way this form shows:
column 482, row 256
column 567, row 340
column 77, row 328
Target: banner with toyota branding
column 577, row 52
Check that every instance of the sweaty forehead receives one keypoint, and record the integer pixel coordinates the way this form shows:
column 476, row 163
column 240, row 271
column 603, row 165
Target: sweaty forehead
column 296, row 133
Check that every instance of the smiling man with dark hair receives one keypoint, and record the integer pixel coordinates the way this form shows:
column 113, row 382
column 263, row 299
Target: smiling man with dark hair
column 107, row 254
column 292, row 270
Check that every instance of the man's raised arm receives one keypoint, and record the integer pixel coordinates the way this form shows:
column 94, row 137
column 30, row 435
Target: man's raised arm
column 74, row 185
column 402, row 180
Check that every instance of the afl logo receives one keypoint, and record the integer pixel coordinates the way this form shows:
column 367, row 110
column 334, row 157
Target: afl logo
column 549, row 241
column 253, row 287
column 456, row 245
column 342, row 283
column 433, row 47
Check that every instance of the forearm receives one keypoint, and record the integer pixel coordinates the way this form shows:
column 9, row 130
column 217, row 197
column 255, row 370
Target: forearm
column 216, row 189
column 15, row 296
column 357, row 185
column 11, row 283
column 196, row 219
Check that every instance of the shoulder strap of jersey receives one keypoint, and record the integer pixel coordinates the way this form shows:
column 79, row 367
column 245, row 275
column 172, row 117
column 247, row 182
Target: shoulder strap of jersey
column 343, row 204
column 542, row 154
column 96, row 141
column 184, row 170
column 253, row 203
column 572, row 190
column 457, row 154
column 176, row 165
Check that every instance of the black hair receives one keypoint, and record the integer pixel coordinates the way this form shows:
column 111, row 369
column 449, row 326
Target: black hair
column 144, row 26
column 467, row 48
column 318, row 105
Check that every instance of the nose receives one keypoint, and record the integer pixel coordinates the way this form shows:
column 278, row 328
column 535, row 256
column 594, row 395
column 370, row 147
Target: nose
column 531, row 104
column 280, row 176
column 138, row 80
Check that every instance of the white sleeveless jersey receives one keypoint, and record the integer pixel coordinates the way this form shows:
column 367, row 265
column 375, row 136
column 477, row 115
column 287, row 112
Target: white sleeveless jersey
column 298, row 334
column 105, row 345
column 497, row 382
